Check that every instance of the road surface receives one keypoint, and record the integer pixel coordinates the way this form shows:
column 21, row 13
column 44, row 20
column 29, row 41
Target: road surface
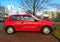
column 26, row 37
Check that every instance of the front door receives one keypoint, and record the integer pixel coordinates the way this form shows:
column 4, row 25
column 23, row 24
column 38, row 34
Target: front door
column 29, row 24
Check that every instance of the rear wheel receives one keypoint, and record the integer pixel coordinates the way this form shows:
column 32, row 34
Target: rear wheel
column 10, row 30
column 46, row 30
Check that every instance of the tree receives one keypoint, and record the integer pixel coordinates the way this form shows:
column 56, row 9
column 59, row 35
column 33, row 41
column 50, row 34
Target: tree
column 58, row 14
column 28, row 11
column 34, row 5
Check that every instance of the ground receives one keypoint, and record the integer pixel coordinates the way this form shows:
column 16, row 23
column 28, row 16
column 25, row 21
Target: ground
column 26, row 37
column 57, row 31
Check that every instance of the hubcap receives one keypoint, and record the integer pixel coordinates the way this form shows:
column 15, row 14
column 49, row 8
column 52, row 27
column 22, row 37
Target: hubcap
column 46, row 30
column 10, row 30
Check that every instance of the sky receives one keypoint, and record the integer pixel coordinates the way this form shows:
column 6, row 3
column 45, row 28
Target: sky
column 16, row 3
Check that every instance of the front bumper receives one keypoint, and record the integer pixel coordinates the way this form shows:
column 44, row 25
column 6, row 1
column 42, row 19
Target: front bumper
column 53, row 28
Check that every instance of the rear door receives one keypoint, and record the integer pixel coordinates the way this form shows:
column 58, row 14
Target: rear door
column 15, row 21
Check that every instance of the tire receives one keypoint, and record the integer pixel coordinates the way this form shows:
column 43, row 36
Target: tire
column 10, row 30
column 46, row 30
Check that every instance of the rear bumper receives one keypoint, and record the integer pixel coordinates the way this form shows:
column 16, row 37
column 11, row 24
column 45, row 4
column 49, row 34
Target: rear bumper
column 53, row 28
column 4, row 27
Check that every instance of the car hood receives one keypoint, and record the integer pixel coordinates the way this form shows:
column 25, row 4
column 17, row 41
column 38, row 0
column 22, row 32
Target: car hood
column 46, row 22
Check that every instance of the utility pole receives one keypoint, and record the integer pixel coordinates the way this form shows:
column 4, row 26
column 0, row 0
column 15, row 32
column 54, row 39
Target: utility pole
column 17, row 11
column 11, row 9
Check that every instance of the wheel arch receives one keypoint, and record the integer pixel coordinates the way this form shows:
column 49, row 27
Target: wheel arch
column 46, row 26
column 9, row 26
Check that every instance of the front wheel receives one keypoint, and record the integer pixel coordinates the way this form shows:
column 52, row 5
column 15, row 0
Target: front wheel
column 9, row 30
column 46, row 30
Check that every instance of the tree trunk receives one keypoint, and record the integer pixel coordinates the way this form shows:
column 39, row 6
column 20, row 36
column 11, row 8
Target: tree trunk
column 34, row 7
column 34, row 13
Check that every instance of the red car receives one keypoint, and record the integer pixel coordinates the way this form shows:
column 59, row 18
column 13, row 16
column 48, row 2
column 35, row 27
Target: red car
column 27, row 22
column 46, row 18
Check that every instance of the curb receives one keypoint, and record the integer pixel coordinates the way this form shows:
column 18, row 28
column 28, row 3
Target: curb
column 55, row 37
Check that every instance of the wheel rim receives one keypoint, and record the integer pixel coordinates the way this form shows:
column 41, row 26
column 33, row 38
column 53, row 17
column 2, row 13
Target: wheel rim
column 46, row 30
column 10, row 30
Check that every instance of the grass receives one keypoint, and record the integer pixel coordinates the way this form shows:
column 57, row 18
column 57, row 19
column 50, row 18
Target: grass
column 57, row 31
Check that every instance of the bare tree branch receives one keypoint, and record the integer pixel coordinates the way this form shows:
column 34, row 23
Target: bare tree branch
column 35, row 5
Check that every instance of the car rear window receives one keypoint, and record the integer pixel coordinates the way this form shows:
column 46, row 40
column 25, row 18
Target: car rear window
column 15, row 18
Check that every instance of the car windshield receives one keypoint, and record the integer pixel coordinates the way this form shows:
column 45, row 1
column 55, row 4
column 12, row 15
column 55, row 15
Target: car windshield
column 35, row 17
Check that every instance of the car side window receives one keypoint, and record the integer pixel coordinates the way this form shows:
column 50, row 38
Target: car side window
column 15, row 18
column 28, row 18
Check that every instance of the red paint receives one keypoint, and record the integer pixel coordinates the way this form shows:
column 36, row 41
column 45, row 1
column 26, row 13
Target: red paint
column 46, row 18
column 26, row 25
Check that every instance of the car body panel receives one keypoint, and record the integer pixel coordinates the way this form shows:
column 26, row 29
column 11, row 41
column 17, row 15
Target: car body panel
column 26, row 25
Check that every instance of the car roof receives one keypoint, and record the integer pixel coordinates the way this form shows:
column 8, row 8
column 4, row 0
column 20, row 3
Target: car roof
column 21, row 15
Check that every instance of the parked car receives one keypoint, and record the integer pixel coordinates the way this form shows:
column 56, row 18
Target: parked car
column 2, row 19
column 46, row 18
column 57, row 19
column 27, row 22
